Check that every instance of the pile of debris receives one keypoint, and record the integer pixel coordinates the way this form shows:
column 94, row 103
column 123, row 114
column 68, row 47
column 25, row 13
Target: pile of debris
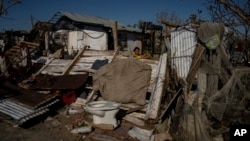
column 122, row 98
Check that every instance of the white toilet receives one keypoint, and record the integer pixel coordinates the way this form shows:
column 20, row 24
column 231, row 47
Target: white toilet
column 103, row 112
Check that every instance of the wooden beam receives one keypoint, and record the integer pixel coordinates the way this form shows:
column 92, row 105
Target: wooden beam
column 30, row 43
column 134, row 120
column 195, row 65
column 37, row 73
column 158, row 89
column 78, row 56
column 115, row 36
column 115, row 54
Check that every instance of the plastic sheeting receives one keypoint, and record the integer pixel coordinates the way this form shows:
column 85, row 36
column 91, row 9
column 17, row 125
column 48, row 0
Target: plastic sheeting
column 123, row 81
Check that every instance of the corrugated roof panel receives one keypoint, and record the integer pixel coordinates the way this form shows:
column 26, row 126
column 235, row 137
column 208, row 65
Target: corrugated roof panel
column 94, row 20
column 183, row 43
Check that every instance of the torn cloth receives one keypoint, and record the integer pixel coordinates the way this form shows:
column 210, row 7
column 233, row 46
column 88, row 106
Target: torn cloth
column 123, row 81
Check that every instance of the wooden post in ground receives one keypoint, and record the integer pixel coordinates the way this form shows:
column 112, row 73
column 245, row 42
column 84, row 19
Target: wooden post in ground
column 213, row 78
column 115, row 35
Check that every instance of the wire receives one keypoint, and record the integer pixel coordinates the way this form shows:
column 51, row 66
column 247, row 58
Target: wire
column 92, row 36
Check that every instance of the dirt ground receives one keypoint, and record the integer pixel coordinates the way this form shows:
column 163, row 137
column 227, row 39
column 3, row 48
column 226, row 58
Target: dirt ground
column 57, row 127
column 51, row 128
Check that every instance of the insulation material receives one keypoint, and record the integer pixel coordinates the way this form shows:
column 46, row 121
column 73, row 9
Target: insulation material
column 193, row 127
column 211, row 34
column 123, row 81
column 230, row 99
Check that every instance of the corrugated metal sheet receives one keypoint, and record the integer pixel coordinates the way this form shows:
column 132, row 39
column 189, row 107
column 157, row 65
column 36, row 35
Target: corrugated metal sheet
column 93, row 20
column 20, row 113
column 183, row 43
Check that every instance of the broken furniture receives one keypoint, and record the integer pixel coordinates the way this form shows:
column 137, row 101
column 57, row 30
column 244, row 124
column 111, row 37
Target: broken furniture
column 19, row 55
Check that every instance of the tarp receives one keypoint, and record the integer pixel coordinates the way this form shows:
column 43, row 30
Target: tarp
column 123, row 81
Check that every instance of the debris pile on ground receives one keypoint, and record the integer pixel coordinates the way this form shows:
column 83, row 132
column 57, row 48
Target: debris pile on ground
column 128, row 99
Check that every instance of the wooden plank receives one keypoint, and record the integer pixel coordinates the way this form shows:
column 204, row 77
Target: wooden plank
column 81, row 66
column 67, row 70
column 156, row 95
column 75, row 72
column 213, row 79
column 195, row 65
column 134, row 120
column 47, row 63
column 13, row 54
column 116, row 53
column 92, row 59
column 90, row 52
column 202, row 86
column 150, row 62
column 129, row 105
column 84, row 70
column 15, row 50
column 115, row 35
column 30, row 43
column 60, row 62
column 54, row 69
column 161, row 118
column 137, row 115
column 90, row 97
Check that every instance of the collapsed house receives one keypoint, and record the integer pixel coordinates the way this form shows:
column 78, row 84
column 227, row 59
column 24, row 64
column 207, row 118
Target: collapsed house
column 57, row 70
column 188, row 93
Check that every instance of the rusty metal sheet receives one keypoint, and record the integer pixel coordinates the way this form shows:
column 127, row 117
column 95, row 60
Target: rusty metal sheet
column 31, row 99
column 64, row 82
column 28, row 98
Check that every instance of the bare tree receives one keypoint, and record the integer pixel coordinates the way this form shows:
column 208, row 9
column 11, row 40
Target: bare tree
column 235, row 14
column 5, row 5
column 165, row 15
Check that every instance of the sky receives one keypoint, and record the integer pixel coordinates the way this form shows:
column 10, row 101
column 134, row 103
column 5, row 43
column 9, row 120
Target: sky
column 125, row 12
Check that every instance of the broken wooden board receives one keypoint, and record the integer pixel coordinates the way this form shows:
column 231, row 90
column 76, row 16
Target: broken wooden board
column 158, row 89
column 55, row 67
column 83, row 64
column 134, row 120
column 66, row 71
column 195, row 65
column 91, row 52
column 15, row 52
column 63, row 82
column 88, row 57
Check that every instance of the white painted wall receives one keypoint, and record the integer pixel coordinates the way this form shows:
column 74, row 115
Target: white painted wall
column 75, row 41
column 95, row 37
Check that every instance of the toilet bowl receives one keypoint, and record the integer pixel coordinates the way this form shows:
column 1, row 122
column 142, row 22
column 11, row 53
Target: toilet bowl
column 103, row 112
